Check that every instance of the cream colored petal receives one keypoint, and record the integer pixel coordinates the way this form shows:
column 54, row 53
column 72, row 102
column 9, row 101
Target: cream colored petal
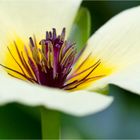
column 77, row 103
column 37, row 16
column 128, row 79
column 117, row 45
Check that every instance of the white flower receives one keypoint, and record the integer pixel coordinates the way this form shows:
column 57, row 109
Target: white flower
column 116, row 45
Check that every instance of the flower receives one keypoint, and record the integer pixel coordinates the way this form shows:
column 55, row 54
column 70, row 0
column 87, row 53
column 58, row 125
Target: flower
column 39, row 17
column 108, row 57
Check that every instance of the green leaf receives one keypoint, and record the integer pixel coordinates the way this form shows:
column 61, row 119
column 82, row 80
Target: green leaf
column 81, row 28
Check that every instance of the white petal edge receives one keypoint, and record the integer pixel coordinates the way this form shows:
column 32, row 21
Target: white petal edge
column 117, row 43
column 79, row 103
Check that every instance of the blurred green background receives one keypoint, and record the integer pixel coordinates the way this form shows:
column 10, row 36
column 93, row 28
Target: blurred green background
column 120, row 120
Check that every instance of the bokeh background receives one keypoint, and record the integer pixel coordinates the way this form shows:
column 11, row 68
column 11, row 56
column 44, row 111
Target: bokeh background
column 120, row 120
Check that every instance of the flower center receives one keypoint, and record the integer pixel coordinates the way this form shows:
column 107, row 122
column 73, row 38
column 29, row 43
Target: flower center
column 57, row 59
column 51, row 62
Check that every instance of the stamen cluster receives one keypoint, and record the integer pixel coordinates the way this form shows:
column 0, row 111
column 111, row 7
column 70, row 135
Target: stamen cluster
column 50, row 62
column 56, row 60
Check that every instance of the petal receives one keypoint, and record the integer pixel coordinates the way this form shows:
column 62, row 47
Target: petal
column 37, row 16
column 78, row 103
column 128, row 79
column 118, row 41
column 117, row 45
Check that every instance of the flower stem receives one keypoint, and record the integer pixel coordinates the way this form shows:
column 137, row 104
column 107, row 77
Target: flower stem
column 50, row 120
